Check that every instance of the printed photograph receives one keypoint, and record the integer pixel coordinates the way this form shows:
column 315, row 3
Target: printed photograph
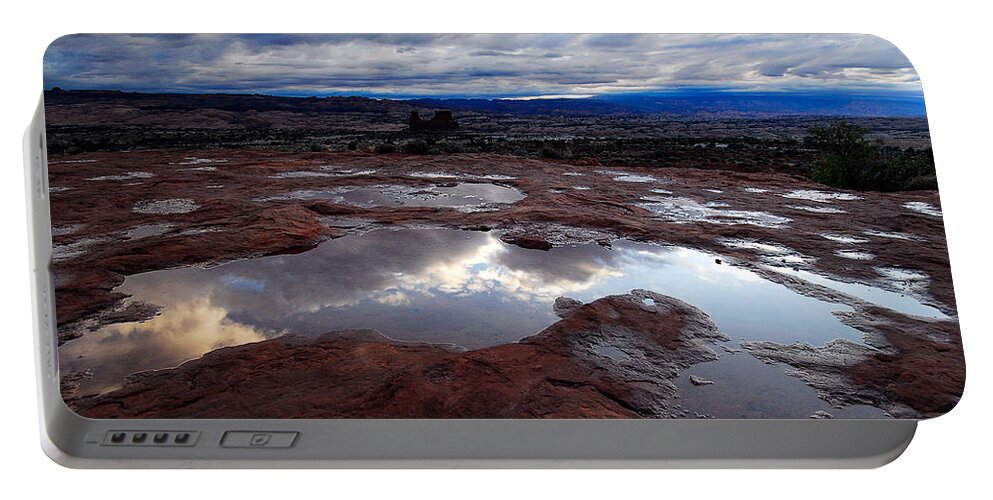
column 496, row 226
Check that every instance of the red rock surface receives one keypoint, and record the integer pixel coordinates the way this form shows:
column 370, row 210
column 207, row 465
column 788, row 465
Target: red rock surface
column 240, row 220
column 554, row 374
column 913, row 368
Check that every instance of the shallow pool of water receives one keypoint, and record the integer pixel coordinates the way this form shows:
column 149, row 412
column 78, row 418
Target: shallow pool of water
column 165, row 207
column 627, row 177
column 819, row 196
column 440, row 286
column 854, row 254
column 126, row 176
column 465, row 194
column 922, row 207
column 844, row 239
column 899, row 302
column 147, row 231
column 683, row 210
column 816, row 210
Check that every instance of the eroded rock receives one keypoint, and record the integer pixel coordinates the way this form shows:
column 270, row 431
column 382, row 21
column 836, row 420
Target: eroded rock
column 351, row 374
column 564, row 306
column 527, row 241
column 70, row 382
column 227, row 224
column 912, row 367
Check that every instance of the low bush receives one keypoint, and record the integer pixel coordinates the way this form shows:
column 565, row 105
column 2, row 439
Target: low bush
column 417, row 147
column 851, row 161
column 386, row 147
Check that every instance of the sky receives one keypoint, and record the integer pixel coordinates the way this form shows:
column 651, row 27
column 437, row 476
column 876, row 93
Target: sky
column 490, row 66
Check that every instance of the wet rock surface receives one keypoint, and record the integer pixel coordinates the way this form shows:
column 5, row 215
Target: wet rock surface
column 71, row 382
column 911, row 367
column 217, row 216
column 556, row 373
column 564, row 306
column 529, row 242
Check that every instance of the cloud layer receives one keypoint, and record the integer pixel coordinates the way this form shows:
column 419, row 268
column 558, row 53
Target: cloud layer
column 473, row 65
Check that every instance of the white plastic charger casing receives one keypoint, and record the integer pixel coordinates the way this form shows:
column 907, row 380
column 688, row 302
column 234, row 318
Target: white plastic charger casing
column 75, row 441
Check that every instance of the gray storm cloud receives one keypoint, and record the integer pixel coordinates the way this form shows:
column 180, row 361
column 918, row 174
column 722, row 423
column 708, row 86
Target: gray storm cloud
column 472, row 65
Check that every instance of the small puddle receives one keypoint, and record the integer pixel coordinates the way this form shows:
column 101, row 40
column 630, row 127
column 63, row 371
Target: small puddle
column 71, row 250
column 845, row 239
column 769, row 248
column 737, row 377
column 923, row 208
column 854, row 254
column 893, row 235
column 192, row 160
column 491, row 177
column 898, row 302
column 907, row 280
column 462, row 195
column 768, row 252
column 817, row 210
column 611, row 352
column 819, row 196
column 433, row 175
column 67, row 229
column 323, row 171
column 621, row 176
column 686, row 210
column 302, row 174
column 147, row 230
column 50, row 162
column 126, row 176
column 446, row 175
column 164, row 207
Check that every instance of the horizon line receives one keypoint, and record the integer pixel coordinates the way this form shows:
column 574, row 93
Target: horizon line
column 684, row 90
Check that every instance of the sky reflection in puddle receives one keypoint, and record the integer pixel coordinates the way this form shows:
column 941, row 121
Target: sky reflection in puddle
column 682, row 210
column 465, row 194
column 434, row 285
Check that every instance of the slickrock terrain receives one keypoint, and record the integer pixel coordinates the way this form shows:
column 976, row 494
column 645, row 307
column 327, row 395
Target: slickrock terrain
column 611, row 358
column 124, row 213
column 913, row 370
column 151, row 182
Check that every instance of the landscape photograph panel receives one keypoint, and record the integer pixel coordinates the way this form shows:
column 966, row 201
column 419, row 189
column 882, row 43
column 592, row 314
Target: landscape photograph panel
column 496, row 226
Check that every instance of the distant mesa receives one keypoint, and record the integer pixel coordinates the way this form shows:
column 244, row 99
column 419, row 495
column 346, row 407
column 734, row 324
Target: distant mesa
column 442, row 120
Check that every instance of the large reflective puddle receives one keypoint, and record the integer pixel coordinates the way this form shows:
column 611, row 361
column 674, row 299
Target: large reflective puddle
column 449, row 286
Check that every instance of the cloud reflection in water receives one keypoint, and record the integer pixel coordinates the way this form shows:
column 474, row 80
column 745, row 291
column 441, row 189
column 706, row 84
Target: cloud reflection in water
column 433, row 285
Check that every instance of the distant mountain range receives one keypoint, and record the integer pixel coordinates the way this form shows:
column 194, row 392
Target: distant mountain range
column 707, row 103
column 116, row 107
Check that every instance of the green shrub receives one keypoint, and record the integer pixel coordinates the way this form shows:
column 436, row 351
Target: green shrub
column 386, row 147
column 849, row 160
column 417, row 147
column 550, row 152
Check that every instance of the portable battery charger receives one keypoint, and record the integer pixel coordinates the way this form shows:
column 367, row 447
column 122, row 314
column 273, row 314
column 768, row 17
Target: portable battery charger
column 360, row 250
